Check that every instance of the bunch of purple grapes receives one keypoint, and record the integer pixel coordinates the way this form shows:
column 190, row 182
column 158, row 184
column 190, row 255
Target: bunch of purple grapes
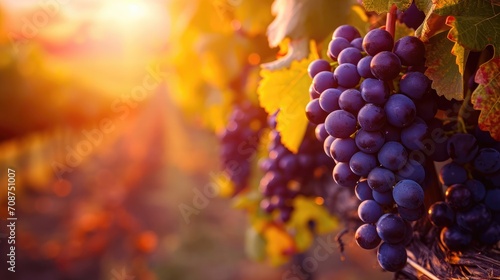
column 239, row 142
column 375, row 112
column 288, row 175
column 470, row 213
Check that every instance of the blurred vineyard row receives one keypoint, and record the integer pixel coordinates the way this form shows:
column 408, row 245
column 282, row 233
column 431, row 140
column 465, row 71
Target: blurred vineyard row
column 107, row 114
column 89, row 125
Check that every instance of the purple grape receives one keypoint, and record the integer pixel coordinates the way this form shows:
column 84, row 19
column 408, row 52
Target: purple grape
column 414, row 85
column 371, row 117
column 326, row 145
column 369, row 211
column 458, row 196
column 340, row 124
column 324, row 80
column 336, row 45
column 477, row 189
column 376, row 41
column 357, row 43
column 475, row 219
column 369, row 141
column 410, row 50
column 366, row 237
column 381, row 179
column 385, row 66
column 400, row 110
column 351, row 101
column 411, row 214
column 392, row 156
column 347, row 32
column 462, row 148
column 392, row 257
column 364, row 69
column 343, row 175
column 314, row 112
column 413, row 135
column 270, row 182
column 362, row 163
column 441, row 214
column 363, row 191
column 349, row 55
column 347, row 75
column 374, row 91
column 383, row 198
column 412, row 170
column 452, row 173
column 318, row 65
column 329, row 100
column 313, row 94
column 487, row 161
column 320, row 132
column 455, row 238
column 342, row 149
column 391, row 228
column 408, row 194
column 289, row 164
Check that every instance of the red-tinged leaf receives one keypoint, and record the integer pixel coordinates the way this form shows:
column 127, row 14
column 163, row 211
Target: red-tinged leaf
column 432, row 24
column 442, row 68
column 486, row 97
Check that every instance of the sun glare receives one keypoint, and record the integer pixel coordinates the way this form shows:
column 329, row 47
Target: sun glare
column 137, row 10
column 127, row 12
column 133, row 18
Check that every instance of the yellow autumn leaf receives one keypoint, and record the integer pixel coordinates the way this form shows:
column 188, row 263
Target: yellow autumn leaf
column 288, row 90
column 303, row 239
column 306, row 210
column 278, row 243
column 254, row 16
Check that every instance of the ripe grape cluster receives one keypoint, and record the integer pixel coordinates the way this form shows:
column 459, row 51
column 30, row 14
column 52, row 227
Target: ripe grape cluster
column 374, row 123
column 239, row 142
column 288, row 174
column 471, row 210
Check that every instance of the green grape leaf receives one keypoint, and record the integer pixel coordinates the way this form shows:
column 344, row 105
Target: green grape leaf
column 383, row 6
column 475, row 23
column 442, row 68
column 287, row 90
column 486, row 97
